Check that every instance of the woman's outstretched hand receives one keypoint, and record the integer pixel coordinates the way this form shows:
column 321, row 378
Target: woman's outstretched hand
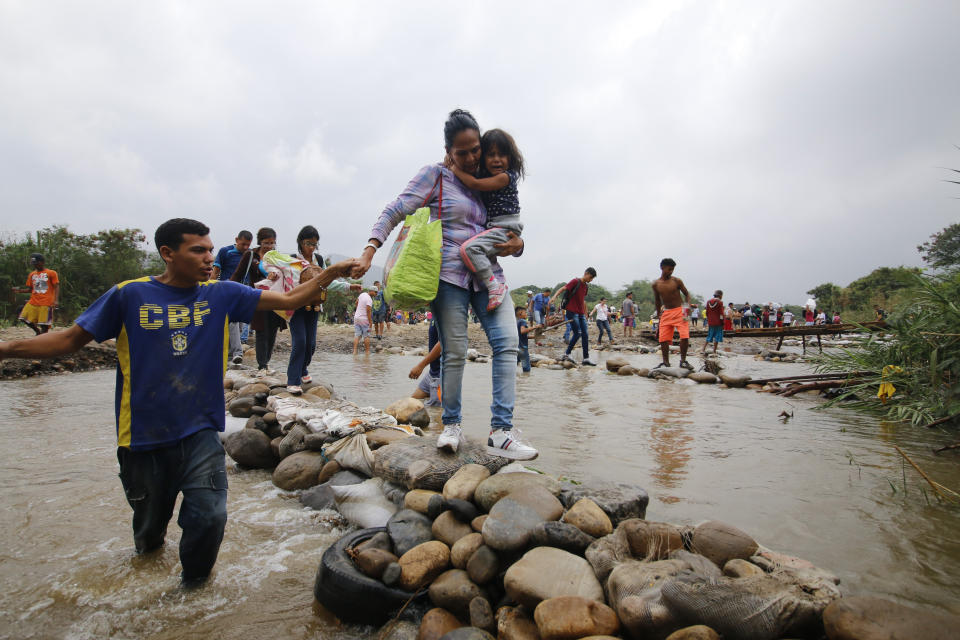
column 511, row 247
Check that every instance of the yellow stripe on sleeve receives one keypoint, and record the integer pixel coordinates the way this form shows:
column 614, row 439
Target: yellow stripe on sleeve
column 226, row 342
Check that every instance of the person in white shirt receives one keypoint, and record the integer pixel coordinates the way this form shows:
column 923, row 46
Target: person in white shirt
column 787, row 318
column 602, row 311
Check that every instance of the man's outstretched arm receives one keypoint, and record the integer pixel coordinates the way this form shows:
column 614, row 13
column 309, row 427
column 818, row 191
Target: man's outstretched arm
column 304, row 293
column 47, row 345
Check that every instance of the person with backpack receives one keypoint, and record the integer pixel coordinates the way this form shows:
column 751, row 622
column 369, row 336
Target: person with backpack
column 574, row 304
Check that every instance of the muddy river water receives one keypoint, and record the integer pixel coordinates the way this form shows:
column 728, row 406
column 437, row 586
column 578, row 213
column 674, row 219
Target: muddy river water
column 826, row 485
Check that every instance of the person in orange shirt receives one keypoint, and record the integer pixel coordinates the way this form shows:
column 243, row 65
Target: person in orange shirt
column 44, row 288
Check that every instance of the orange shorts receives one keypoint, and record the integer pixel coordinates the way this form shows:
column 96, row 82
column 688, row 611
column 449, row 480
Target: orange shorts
column 671, row 319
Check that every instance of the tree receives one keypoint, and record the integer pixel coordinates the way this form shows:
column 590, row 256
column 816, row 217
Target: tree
column 942, row 250
column 828, row 295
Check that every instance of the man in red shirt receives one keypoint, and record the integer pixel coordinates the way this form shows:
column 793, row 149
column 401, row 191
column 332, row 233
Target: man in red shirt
column 576, row 311
column 714, row 321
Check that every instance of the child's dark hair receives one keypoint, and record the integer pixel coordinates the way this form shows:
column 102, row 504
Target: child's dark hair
column 170, row 233
column 517, row 311
column 668, row 262
column 506, row 145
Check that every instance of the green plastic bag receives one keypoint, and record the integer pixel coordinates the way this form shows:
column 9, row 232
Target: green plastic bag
column 412, row 271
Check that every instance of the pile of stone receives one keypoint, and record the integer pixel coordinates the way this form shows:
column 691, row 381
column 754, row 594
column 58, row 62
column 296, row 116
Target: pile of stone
column 771, row 355
column 478, row 548
column 621, row 366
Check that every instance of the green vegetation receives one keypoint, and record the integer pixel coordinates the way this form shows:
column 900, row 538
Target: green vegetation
column 920, row 355
column 88, row 265
column 887, row 287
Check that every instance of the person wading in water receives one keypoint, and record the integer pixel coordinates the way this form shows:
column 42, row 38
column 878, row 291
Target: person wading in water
column 667, row 292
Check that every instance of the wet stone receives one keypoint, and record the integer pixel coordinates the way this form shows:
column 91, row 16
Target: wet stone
column 468, row 633
column 464, row 482
column 620, row 501
column 372, row 562
column 569, row 617
column 721, row 542
column 477, row 523
column 501, row 484
column 407, row 529
column 464, row 548
column 447, row 528
column 483, row 565
column 378, row 541
column 250, row 448
column 436, row 505
column 509, row 525
column 453, row 590
column 298, row 470
column 514, row 624
column 436, row 623
column 589, row 518
column 465, row 511
column 481, row 615
column 422, row 564
column 697, row 632
column 391, row 574
column 418, row 499
column 546, row 572
column 561, row 535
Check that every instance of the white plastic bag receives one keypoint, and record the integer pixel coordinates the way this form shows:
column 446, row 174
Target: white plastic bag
column 364, row 504
column 352, row 453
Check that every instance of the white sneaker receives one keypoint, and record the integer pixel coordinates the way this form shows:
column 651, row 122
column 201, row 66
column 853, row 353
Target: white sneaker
column 507, row 444
column 450, row 438
column 294, row 389
column 589, row 362
column 237, row 359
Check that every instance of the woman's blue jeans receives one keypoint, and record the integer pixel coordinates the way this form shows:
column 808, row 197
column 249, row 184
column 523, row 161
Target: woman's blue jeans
column 451, row 313
column 579, row 331
column 604, row 325
column 303, row 342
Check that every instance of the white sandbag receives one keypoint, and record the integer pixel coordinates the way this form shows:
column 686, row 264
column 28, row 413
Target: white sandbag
column 286, row 408
column 352, row 453
column 364, row 504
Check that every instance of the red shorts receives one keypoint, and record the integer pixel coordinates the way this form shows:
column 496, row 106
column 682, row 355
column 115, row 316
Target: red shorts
column 671, row 319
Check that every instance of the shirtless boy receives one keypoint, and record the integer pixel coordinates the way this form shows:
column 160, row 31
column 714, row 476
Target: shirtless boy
column 667, row 292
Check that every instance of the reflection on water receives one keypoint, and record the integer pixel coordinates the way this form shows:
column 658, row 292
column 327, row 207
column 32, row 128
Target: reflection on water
column 818, row 486
column 670, row 440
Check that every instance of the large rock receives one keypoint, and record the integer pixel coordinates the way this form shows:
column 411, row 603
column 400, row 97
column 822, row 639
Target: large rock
column 697, row 632
column 619, row 501
column 465, row 481
column 436, row 623
column 734, row 381
column 417, row 463
column 298, row 471
column 407, row 529
column 573, row 617
column 545, row 572
column 721, row 542
column 561, row 535
column 864, row 618
column 423, row 563
column 704, row 377
column 372, row 562
column 510, row 524
column 252, row 389
column 464, row 548
column 513, row 623
column 483, row 565
column 409, row 411
column 626, row 371
column 241, row 407
column 589, row 518
column 614, row 363
column 669, row 372
column 418, row 499
column 250, row 448
column 448, row 529
column 453, row 590
column 501, row 484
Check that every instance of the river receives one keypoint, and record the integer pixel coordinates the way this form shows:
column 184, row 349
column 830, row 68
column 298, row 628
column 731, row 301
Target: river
column 825, row 485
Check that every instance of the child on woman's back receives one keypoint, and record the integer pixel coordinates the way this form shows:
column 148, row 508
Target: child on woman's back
column 501, row 169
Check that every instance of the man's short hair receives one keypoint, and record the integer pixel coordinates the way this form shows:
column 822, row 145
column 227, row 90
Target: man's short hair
column 718, row 294
column 36, row 257
column 517, row 310
column 245, row 235
column 591, row 271
column 667, row 262
column 170, row 233
column 629, row 293
column 546, row 289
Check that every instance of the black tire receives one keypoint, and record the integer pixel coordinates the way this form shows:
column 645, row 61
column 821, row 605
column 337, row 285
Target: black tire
column 349, row 594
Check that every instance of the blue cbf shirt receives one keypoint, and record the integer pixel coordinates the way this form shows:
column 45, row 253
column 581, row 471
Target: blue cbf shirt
column 172, row 348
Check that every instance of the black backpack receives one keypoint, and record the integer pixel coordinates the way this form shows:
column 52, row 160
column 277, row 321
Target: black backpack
column 567, row 294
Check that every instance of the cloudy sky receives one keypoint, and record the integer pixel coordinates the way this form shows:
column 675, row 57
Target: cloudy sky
column 766, row 146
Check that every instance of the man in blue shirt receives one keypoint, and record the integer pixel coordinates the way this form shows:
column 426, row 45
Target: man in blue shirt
column 223, row 267
column 540, row 306
column 172, row 354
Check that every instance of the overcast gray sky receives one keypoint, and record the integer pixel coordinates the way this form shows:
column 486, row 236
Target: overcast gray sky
column 766, row 146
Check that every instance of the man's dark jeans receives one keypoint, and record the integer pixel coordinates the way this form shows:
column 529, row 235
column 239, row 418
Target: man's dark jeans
column 152, row 480
column 579, row 329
